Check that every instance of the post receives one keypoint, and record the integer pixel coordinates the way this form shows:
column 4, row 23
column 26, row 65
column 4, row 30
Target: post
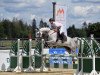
column 18, row 53
column 19, row 67
column 79, row 39
column 93, row 59
column 43, row 68
column 82, row 45
column 30, row 68
column 30, row 47
column 54, row 3
column 42, row 65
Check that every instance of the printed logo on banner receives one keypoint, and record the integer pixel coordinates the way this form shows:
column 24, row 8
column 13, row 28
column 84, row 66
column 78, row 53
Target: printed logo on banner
column 60, row 11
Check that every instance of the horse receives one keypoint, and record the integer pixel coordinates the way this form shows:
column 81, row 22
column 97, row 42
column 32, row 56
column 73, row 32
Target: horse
column 50, row 37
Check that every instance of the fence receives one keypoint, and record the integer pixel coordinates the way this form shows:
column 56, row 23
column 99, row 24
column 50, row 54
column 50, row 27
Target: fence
column 89, row 56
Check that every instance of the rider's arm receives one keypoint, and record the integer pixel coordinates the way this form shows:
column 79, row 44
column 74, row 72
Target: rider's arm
column 57, row 28
column 54, row 28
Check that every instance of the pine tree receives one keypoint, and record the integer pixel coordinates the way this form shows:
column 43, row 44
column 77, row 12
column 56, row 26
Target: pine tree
column 41, row 24
column 34, row 28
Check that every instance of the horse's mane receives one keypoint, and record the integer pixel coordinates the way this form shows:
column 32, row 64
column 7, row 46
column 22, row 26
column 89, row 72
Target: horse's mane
column 44, row 29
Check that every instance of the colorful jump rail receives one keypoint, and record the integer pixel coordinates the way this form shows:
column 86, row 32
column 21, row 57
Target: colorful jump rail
column 21, row 58
column 88, row 56
column 59, row 59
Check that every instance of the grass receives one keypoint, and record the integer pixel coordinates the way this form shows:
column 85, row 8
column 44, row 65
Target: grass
column 6, row 44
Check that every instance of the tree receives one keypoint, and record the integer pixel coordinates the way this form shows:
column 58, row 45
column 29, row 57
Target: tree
column 94, row 28
column 13, row 29
column 34, row 28
column 85, row 25
column 41, row 24
column 16, row 29
column 85, row 28
column 45, row 24
column 81, row 33
column 2, row 35
column 19, row 29
column 75, row 32
column 71, row 31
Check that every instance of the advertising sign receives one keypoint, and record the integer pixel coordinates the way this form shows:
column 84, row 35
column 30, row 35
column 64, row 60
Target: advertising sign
column 60, row 14
column 57, row 51
column 56, row 58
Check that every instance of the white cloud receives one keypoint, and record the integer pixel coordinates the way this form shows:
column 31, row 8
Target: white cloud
column 93, row 1
column 88, row 21
column 1, row 14
column 17, row 15
column 42, row 9
column 85, row 11
column 33, row 2
column 39, row 2
column 82, row 11
column 98, row 7
column 46, row 19
column 22, row 4
column 32, row 16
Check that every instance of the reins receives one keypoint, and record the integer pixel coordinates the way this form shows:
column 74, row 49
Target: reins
column 52, row 32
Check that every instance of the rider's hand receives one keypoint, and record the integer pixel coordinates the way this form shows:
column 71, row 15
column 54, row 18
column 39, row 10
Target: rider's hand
column 55, row 30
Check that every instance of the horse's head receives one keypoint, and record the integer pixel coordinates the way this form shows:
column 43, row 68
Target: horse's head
column 43, row 33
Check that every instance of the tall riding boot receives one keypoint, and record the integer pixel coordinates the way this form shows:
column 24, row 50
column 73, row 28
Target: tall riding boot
column 63, row 38
column 58, row 34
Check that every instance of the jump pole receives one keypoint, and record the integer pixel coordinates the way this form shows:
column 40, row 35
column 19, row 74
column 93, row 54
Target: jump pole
column 30, row 68
column 93, row 71
column 19, row 67
column 43, row 68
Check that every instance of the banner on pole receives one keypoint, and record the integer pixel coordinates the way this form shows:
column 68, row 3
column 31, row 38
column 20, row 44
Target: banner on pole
column 60, row 14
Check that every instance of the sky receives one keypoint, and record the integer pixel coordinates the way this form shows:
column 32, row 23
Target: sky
column 78, row 11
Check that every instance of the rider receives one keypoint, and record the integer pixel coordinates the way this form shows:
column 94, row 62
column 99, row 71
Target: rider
column 60, row 29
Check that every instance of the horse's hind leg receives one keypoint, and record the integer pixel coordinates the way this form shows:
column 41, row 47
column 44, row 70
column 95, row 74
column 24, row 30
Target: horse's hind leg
column 67, row 49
